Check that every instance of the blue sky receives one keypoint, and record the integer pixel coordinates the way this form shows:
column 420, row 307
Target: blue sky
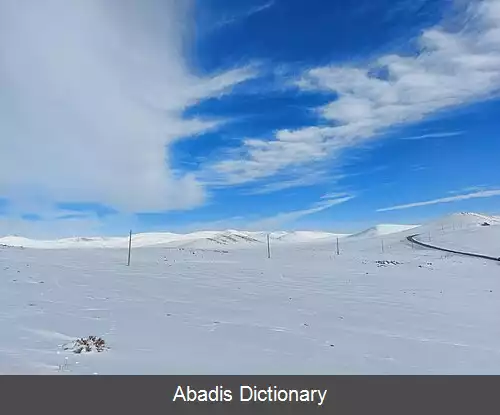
column 252, row 114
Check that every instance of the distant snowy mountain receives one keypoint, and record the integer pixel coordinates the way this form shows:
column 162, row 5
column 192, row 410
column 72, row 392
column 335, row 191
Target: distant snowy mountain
column 216, row 239
column 195, row 240
column 383, row 229
column 455, row 221
column 241, row 239
column 306, row 236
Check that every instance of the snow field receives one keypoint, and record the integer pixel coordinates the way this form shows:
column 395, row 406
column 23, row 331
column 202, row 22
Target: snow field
column 304, row 311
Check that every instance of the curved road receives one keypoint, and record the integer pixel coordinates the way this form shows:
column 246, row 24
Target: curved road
column 412, row 239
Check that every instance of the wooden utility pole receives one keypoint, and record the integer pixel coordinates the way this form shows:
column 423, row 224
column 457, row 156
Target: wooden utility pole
column 129, row 247
column 268, row 247
column 338, row 249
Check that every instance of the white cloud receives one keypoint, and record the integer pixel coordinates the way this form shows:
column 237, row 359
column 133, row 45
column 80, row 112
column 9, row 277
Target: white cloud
column 475, row 195
column 92, row 92
column 452, row 68
column 281, row 219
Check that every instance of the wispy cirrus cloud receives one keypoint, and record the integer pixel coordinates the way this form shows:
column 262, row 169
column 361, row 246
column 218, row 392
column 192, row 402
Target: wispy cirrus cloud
column 246, row 14
column 281, row 219
column 470, row 189
column 451, row 68
column 433, row 135
column 92, row 93
column 305, row 179
column 449, row 199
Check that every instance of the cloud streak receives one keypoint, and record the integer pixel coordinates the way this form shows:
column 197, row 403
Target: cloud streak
column 288, row 217
column 250, row 12
column 433, row 135
column 450, row 199
column 451, row 68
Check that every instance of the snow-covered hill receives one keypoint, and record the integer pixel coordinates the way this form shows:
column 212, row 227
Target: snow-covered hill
column 460, row 221
column 307, row 236
column 235, row 239
column 201, row 240
column 456, row 221
column 383, row 229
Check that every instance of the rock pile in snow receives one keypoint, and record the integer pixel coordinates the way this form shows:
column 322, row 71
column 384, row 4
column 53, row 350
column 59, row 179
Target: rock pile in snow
column 387, row 263
column 87, row 345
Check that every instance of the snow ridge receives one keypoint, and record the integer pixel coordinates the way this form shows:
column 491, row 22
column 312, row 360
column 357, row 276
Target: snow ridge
column 241, row 239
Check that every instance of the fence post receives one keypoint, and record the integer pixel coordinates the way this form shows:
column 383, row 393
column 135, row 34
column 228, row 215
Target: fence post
column 129, row 247
column 268, row 247
column 338, row 249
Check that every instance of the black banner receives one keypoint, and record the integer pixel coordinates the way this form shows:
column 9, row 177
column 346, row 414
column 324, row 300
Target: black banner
column 398, row 395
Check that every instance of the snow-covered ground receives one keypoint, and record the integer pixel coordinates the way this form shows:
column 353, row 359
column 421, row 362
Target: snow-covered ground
column 382, row 306
column 465, row 235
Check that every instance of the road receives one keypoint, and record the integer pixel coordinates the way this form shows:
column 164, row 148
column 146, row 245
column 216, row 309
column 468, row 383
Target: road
column 412, row 239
